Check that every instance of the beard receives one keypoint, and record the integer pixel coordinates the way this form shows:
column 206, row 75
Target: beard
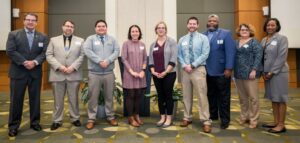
column 192, row 29
column 212, row 28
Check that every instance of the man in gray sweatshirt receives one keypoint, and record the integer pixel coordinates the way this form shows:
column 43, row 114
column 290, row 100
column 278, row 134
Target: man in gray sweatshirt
column 101, row 51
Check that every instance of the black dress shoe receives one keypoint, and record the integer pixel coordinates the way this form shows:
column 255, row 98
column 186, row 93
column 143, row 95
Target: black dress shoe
column 36, row 127
column 224, row 126
column 275, row 131
column 76, row 123
column 268, row 126
column 55, row 126
column 12, row 132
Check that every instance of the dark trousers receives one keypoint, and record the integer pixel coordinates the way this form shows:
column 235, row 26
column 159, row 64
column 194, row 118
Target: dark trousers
column 17, row 93
column 133, row 99
column 164, row 87
column 218, row 92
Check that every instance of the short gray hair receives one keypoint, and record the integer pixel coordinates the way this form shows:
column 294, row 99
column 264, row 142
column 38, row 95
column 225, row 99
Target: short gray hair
column 213, row 15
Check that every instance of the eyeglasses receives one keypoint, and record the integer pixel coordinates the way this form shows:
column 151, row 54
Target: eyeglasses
column 30, row 20
column 244, row 29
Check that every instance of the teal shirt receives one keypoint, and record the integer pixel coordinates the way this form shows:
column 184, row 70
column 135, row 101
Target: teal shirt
column 200, row 50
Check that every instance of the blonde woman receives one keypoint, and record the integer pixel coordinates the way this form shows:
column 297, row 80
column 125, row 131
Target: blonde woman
column 162, row 63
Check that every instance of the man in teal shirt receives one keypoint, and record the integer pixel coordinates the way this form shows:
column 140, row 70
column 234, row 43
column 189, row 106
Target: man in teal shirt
column 193, row 50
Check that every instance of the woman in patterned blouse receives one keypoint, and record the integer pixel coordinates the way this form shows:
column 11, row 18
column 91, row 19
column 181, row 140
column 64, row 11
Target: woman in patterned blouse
column 247, row 71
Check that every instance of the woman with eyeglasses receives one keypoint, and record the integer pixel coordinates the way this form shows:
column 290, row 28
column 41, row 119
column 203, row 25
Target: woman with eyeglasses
column 247, row 71
column 162, row 63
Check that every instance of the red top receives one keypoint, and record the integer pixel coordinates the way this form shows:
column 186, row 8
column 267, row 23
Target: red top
column 158, row 58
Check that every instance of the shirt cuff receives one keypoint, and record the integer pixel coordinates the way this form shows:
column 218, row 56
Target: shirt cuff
column 36, row 62
column 172, row 64
column 151, row 66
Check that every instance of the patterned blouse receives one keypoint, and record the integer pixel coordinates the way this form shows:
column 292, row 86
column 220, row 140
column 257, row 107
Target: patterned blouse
column 248, row 57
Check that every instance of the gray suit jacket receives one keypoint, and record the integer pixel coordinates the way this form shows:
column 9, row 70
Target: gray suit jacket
column 18, row 51
column 58, row 56
column 275, row 54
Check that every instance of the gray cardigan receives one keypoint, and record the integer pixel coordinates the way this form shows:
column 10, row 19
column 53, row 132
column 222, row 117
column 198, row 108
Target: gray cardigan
column 96, row 52
column 170, row 53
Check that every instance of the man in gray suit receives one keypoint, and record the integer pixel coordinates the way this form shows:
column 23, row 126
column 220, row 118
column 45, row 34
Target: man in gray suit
column 65, row 55
column 26, row 49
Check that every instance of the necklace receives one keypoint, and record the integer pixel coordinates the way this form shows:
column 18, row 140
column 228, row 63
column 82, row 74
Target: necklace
column 243, row 42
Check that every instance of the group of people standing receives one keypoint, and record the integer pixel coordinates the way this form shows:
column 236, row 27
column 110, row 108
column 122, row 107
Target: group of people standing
column 269, row 60
column 207, row 61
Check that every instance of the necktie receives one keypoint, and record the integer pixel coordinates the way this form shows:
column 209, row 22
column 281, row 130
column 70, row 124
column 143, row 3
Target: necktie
column 67, row 44
column 191, row 53
column 102, row 39
column 30, row 38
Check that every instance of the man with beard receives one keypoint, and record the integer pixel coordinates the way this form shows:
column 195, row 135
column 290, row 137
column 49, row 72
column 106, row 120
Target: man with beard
column 193, row 50
column 65, row 55
column 219, row 67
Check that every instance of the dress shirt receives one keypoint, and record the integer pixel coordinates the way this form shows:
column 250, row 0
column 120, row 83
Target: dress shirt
column 200, row 50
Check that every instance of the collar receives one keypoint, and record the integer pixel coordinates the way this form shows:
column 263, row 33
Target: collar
column 104, row 36
column 69, row 37
column 193, row 33
column 274, row 35
column 211, row 32
column 27, row 30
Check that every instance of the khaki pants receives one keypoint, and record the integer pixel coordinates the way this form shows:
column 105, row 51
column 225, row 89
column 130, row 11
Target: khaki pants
column 249, row 99
column 195, row 84
column 70, row 88
column 95, row 82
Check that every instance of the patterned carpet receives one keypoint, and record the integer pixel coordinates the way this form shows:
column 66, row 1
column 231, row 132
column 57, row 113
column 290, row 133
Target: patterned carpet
column 149, row 133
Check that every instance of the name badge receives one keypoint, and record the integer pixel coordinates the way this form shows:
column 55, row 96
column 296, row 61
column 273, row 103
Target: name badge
column 274, row 43
column 142, row 48
column 155, row 48
column 246, row 46
column 97, row 43
column 41, row 44
column 77, row 43
column 67, row 48
column 184, row 43
column 220, row 41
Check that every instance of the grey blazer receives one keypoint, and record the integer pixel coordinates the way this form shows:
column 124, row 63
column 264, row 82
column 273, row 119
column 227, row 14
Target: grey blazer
column 170, row 53
column 57, row 56
column 275, row 54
